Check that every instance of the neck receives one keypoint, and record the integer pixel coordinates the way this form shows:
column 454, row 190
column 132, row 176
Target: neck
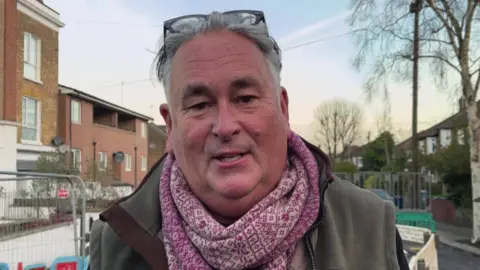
column 225, row 221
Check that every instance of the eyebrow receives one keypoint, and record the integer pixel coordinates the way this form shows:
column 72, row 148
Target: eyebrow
column 243, row 82
column 195, row 90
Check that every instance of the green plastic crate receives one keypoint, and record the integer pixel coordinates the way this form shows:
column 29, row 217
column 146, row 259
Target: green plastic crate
column 416, row 219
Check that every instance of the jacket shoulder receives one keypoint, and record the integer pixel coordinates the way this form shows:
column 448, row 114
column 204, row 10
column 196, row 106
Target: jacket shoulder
column 356, row 194
column 364, row 225
column 108, row 252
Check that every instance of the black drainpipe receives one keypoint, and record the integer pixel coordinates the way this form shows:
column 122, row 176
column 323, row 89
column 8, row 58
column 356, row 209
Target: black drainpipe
column 70, row 135
column 135, row 173
column 94, row 161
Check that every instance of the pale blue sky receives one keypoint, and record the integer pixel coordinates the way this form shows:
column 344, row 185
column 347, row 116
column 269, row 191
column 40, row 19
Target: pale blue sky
column 106, row 42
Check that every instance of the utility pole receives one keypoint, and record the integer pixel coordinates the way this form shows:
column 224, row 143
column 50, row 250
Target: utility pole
column 415, row 8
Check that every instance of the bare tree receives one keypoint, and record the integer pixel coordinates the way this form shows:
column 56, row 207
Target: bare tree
column 338, row 125
column 448, row 44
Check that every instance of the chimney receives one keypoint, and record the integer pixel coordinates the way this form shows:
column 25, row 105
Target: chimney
column 461, row 104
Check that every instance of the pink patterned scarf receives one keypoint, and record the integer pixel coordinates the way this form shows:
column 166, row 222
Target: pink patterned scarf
column 266, row 235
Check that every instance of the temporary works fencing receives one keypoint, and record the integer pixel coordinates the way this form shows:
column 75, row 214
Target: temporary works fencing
column 42, row 218
column 426, row 257
column 406, row 189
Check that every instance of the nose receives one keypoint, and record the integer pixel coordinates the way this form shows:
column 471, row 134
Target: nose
column 226, row 124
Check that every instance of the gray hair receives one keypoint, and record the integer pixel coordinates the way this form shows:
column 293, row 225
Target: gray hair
column 258, row 34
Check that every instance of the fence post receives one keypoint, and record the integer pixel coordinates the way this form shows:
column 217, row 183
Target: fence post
column 426, row 237
column 90, row 224
column 437, row 241
column 421, row 265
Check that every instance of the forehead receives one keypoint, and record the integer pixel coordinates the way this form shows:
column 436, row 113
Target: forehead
column 217, row 58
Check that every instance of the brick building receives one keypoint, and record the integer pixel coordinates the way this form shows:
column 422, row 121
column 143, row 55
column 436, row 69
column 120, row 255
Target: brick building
column 102, row 133
column 29, row 85
column 8, row 52
column 157, row 140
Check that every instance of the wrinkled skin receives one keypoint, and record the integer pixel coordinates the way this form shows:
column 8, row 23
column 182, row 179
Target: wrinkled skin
column 224, row 101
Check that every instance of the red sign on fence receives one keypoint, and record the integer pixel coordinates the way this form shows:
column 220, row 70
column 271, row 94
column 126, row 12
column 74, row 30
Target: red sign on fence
column 62, row 193
column 67, row 266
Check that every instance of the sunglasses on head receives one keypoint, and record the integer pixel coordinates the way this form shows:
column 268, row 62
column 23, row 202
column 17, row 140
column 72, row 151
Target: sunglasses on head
column 248, row 17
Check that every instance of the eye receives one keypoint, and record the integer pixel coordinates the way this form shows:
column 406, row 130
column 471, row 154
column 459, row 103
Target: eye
column 246, row 99
column 199, row 106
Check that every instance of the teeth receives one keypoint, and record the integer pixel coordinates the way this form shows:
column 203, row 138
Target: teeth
column 230, row 159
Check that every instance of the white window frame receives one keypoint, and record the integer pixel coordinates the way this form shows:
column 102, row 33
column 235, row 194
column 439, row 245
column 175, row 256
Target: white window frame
column 77, row 159
column 27, row 37
column 38, row 121
column 128, row 162
column 76, row 105
column 102, row 158
column 143, row 129
column 461, row 136
column 144, row 163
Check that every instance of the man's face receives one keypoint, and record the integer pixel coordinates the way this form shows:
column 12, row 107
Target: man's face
column 228, row 123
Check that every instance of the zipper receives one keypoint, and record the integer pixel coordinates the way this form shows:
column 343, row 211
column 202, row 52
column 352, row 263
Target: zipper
column 317, row 223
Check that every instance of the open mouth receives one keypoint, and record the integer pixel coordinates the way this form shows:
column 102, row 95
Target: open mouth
column 229, row 157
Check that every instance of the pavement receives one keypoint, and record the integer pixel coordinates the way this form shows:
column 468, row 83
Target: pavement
column 456, row 237
column 454, row 259
column 454, row 250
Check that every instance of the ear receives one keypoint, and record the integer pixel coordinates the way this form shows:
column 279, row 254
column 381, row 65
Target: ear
column 284, row 103
column 167, row 117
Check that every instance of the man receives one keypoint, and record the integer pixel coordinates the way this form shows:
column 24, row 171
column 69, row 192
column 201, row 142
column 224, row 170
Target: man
column 238, row 189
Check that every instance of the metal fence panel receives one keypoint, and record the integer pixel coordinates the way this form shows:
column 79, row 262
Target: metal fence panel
column 41, row 218
column 407, row 190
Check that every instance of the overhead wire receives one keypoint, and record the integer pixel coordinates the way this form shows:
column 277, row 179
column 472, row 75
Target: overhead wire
column 308, row 43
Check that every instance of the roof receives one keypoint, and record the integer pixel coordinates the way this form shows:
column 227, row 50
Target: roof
column 41, row 2
column 351, row 151
column 456, row 120
column 66, row 90
column 159, row 128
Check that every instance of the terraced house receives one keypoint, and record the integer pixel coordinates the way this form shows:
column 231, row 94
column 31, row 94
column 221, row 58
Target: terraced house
column 103, row 134
column 37, row 79
column 29, row 89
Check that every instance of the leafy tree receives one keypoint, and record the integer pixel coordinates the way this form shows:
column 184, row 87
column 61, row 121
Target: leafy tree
column 345, row 167
column 453, row 164
column 398, row 163
column 51, row 163
column 375, row 153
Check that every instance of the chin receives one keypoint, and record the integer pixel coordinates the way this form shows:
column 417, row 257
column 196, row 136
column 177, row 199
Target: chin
column 236, row 186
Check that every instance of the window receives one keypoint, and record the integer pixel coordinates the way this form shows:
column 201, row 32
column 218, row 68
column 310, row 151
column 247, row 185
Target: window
column 144, row 129
column 421, row 146
column 431, row 145
column 77, row 159
column 31, row 57
column 434, row 145
column 460, row 136
column 144, row 163
column 30, row 120
column 445, row 137
column 128, row 162
column 102, row 165
column 76, row 112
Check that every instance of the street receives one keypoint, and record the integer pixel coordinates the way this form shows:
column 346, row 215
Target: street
column 453, row 259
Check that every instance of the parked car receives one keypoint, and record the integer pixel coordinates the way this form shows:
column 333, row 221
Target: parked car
column 383, row 194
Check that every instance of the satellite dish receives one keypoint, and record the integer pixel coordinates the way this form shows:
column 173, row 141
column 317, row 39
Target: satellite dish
column 57, row 141
column 119, row 156
column 63, row 148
